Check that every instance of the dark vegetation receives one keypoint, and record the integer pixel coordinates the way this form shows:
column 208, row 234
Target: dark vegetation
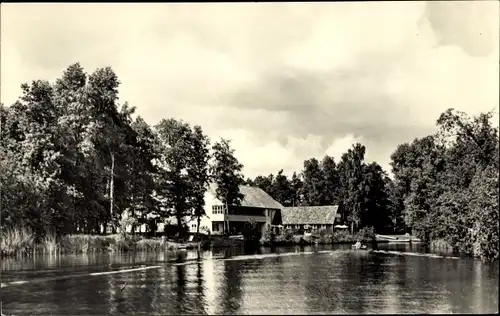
column 73, row 161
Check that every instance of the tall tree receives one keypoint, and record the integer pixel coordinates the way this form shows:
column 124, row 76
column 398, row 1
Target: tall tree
column 332, row 183
column 417, row 168
column 225, row 170
column 143, row 183
column 281, row 190
column 396, row 206
column 265, row 183
column 375, row 210
column 175, row 187
column 198, row 172
column 351, row 176
column 296, row 186
column 313, row 182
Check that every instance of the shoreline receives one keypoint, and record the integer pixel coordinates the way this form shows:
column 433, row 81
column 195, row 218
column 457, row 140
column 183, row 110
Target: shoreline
column 76, row 244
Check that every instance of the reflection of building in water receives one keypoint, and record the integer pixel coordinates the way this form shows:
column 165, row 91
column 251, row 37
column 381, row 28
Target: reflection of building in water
column 210, row 286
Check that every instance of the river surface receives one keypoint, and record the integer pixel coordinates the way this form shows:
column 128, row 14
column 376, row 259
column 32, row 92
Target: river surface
column 296, row 280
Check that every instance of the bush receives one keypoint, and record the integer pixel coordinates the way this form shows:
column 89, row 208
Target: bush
column 340, row 236
column 127, row 222
column 366, row 233
column 251, row 232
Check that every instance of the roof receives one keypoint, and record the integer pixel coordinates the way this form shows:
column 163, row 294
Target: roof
column 301, row 215
column 253, row 197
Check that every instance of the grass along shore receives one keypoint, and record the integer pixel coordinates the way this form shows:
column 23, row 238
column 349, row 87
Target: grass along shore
column 16, row 242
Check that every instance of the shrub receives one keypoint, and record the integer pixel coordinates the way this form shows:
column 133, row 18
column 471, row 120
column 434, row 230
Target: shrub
column 127, row 222
column 343, row 236
column 366, row 233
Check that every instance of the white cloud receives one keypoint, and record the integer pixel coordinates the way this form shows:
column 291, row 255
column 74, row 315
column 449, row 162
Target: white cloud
column 286, row 81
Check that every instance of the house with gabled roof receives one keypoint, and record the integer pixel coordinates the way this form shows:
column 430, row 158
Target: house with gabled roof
column 256, row 206
column 313, row 217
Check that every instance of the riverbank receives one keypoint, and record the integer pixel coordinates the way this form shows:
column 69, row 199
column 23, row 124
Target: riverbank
column 22, row 242
column 340, row 237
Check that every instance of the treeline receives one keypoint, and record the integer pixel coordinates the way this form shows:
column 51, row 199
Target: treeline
column 447, row 183
column 363, row 191
column 74, row 160
column 445, row 186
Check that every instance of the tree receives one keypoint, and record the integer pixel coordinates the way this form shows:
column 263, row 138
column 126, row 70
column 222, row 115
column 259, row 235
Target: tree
column 175, row 184
column 225, row 170
column 351, row 176
column 313, row 183
column 375, row 205
column 198, row 172
column 265, row 183
column 396, row 205
column 296, row 186
column 281, row 190
column 417, row 168
column 143, row 185
column 332, row 183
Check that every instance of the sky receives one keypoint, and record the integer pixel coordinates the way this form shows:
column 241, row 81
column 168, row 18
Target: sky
column 284, row 81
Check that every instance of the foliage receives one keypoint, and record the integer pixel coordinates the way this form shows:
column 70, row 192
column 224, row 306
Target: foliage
column 183, row 166
column 313, row 182
column 74, row 160
column 251, row 231
column 225, row 171
column 351, row 169
column 448, row 183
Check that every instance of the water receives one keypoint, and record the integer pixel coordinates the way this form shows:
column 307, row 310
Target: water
column 307, row 280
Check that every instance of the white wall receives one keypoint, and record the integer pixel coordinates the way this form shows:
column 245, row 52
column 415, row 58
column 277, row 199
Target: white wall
column 206, row 220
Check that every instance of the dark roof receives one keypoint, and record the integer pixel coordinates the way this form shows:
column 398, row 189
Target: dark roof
column 319, row 215
column 253, row 197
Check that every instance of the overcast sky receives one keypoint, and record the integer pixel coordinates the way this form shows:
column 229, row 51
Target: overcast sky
column 285, row 81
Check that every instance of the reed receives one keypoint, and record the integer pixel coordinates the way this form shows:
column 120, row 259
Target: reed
column 48, row 244
column 17, row 241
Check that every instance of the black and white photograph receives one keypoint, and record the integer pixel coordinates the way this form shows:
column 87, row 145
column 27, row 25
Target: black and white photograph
column 279, row 158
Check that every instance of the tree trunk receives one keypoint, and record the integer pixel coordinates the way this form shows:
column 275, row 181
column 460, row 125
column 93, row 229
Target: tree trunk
column 227, row 220
column 198, row 228
column 179, row 227
column 111, row 192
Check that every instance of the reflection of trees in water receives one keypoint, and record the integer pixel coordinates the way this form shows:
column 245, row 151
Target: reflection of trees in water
column 352, row 283
column 180, row 282
column 189, row 301
column 231, row 291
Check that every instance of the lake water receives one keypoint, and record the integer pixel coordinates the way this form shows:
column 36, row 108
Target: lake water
column 296, row 280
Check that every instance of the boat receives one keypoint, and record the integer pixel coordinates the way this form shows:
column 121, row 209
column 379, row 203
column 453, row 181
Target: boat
column 396, row 238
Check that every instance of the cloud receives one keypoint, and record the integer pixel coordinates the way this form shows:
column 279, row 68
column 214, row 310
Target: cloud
column 285, row 81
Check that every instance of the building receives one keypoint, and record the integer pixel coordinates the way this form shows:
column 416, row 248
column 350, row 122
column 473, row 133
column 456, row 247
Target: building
column 257, row 206
column 313, row 217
